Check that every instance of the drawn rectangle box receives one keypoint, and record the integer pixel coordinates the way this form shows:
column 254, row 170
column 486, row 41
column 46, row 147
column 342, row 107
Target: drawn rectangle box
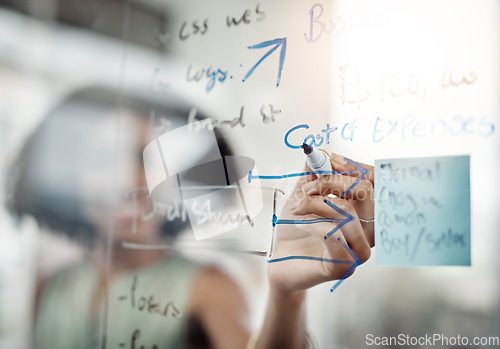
column 422, row 211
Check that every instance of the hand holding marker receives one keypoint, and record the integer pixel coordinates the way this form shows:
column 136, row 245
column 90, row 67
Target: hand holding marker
column 307, row 215
column 318, row 234
column 317, row 160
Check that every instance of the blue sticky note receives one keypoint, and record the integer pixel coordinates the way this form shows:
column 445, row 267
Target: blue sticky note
column 422, row 211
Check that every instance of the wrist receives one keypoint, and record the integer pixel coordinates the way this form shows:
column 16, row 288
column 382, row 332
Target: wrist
column 284, row 326
column 290, row 298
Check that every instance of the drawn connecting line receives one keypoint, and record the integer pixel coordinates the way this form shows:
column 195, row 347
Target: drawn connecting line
column 304, row 221
column 339, row 222
column 360, row 170
column 339, row 281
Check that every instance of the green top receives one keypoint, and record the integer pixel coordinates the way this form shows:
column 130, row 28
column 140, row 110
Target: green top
column 146, row 308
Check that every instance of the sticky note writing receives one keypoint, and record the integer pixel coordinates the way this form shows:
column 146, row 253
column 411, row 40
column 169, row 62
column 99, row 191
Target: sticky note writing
column 422, row 211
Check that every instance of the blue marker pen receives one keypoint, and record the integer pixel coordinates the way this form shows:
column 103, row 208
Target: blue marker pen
column 317, row 160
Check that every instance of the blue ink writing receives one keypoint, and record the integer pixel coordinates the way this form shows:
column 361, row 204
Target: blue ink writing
column 212, row 75
column 410, row 127
column 316, row 140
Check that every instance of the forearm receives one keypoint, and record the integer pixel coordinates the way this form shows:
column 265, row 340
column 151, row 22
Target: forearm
column 284, row 324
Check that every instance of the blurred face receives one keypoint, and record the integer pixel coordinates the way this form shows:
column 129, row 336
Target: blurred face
column 113, row 184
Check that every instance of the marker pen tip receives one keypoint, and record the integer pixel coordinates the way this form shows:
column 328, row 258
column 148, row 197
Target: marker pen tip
column 307, row 148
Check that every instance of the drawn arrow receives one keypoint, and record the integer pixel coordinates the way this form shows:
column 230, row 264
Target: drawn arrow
column 360, row 170
column 353, row 264
column 277, row 43
column 347, row 219
column 341, row 222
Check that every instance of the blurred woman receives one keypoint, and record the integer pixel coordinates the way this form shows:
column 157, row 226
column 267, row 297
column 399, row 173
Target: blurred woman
column 81, row 173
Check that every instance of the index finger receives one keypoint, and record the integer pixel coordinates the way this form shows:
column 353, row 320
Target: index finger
column 344, row 186
column 308, row 175
column 343, row 164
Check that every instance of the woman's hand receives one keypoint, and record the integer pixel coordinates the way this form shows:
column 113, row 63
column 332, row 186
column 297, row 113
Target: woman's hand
column 338, row 241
